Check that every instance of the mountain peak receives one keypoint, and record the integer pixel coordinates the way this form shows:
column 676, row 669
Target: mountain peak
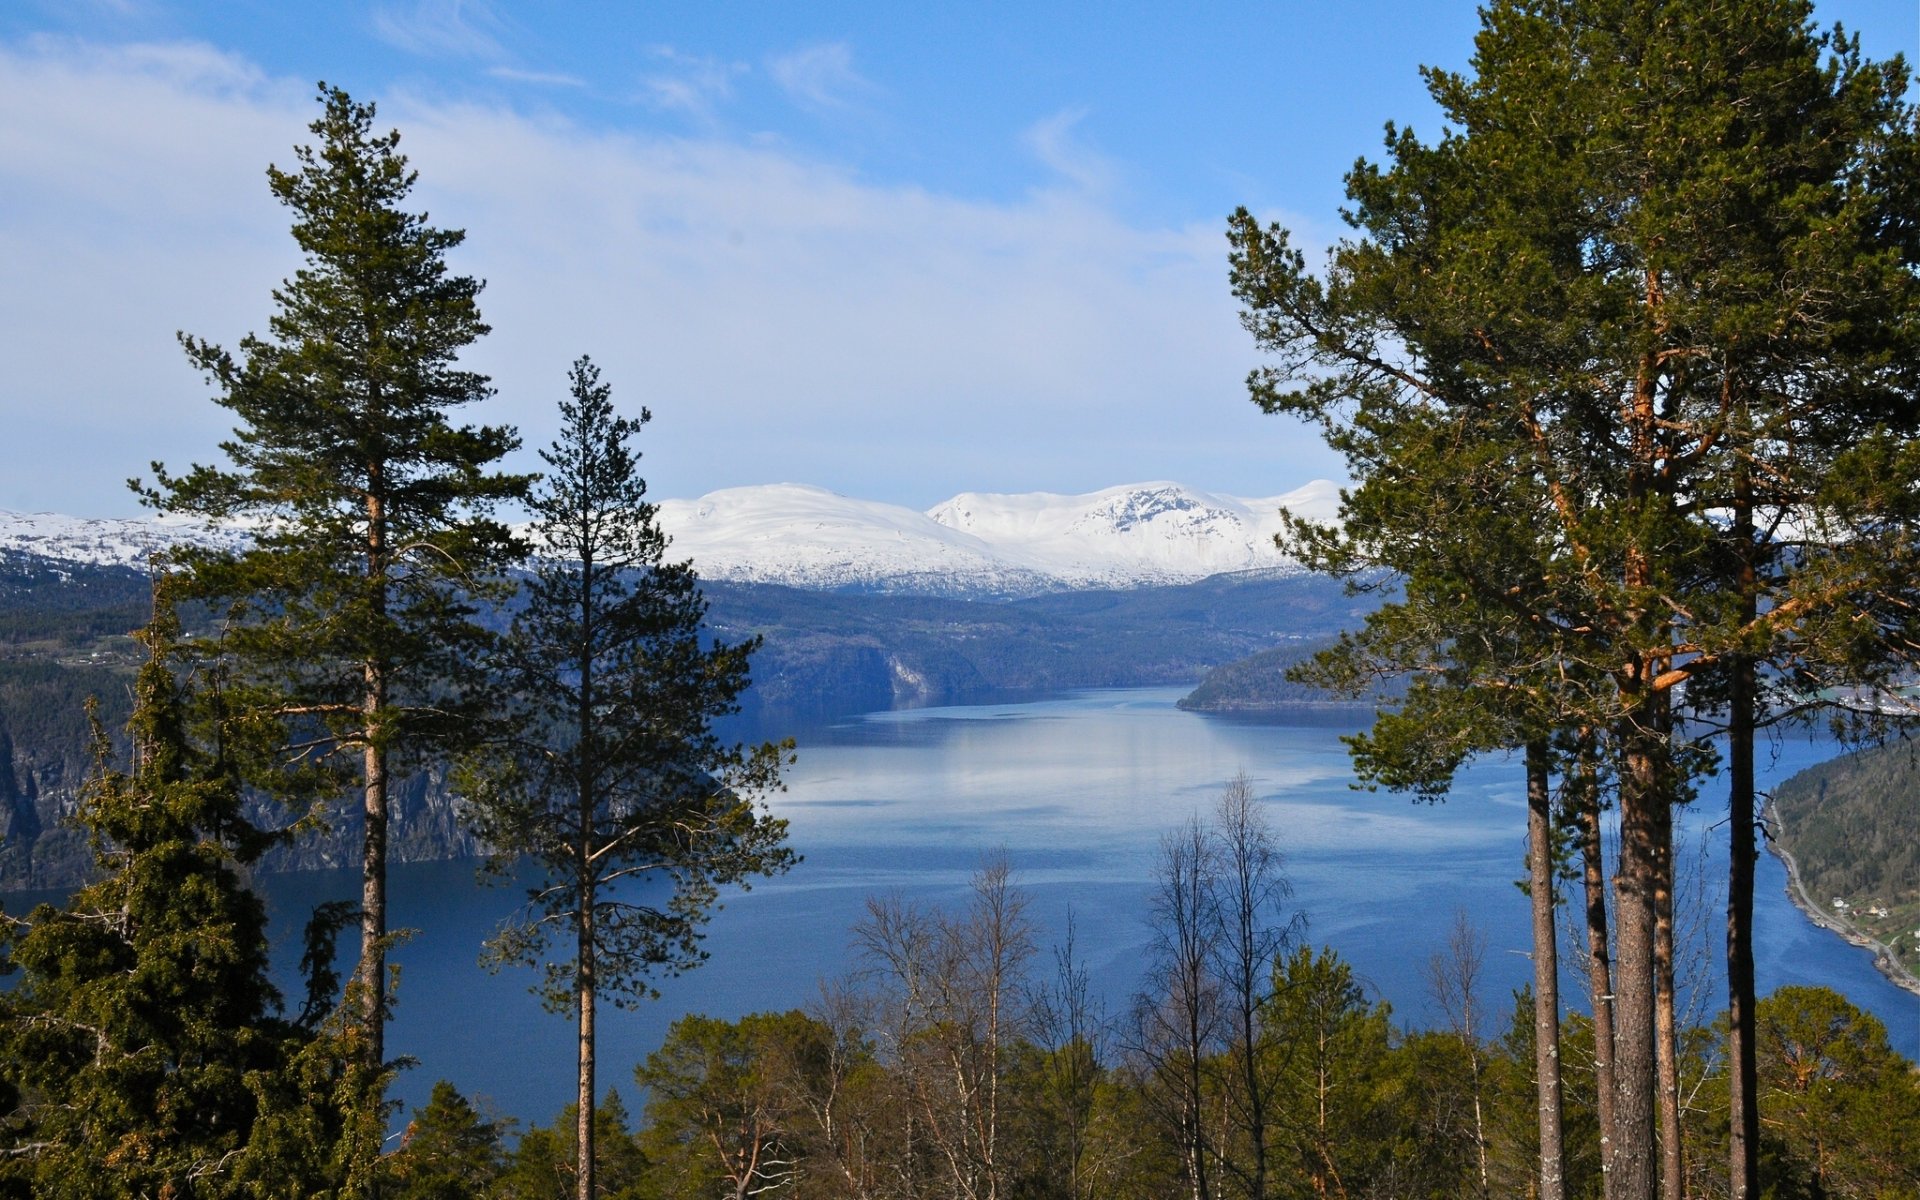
column 976, row 543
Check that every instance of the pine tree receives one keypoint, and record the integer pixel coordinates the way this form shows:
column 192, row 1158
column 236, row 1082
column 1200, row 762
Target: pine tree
column 1658, row 276
column 351, row 615
column 448, row 1152
column 616, row 783
column 142, row 1048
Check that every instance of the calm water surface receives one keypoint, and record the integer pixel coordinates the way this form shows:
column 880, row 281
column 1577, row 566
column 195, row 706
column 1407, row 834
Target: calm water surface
column 1078, row 791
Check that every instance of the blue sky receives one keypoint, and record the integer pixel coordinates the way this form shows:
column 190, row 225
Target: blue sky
column 896, row 250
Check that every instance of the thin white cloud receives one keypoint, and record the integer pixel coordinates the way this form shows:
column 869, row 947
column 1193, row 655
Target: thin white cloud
column 690, row 84
column 440, row 28
column 784, row 318
column 1052, row 141
column 538, row 78
column 821, row 77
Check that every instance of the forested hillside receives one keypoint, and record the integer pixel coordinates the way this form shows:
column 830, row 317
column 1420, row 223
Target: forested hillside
column 1259, row 683
column 1848, row 826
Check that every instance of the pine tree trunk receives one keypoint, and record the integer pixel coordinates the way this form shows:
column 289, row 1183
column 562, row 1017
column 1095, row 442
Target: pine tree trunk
column 371, row 974
column 583, row 1139
column 1743, row 1085
column 1666, row 1019
column 1599, row 971
column 1546, row 978
column 373, row 860
column 1632, row 1169
column 586, row 799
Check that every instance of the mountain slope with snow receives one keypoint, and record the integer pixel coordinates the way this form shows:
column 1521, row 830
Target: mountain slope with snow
column 973, row 544
column 106, row 541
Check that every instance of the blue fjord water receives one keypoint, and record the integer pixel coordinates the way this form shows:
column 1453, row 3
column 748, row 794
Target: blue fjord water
column 1077, row 790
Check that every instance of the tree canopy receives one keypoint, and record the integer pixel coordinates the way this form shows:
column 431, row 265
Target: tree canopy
column 350, row 614
column 1623, row 365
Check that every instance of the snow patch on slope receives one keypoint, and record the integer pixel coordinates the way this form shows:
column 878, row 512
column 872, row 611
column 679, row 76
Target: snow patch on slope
column 107, row 541
column 976, row 544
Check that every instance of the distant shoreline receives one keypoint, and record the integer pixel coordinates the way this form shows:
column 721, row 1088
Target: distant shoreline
column 1883, row 958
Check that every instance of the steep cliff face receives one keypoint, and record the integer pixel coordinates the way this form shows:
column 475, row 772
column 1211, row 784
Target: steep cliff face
column 45, row 754
column 425, row 824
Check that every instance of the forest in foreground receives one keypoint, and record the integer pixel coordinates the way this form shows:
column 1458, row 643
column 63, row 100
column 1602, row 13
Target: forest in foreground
column 1624, row 367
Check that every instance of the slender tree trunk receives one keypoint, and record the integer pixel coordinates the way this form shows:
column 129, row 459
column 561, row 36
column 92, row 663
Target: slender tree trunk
column 1196, row 1118
column 1599, row 968
column 1665, row 1017
column 1546, row 979
column 583, row 1140
column 1633, row 1168
column 372, row 975
column 373, row 881
column 586, row 798
column 1250, row 884
column 1743, row 1086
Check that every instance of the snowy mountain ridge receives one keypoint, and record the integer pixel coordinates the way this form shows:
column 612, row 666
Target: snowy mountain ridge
column 801, row 536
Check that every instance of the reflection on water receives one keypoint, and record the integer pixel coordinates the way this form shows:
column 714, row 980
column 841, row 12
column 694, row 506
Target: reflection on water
column 1078, row 791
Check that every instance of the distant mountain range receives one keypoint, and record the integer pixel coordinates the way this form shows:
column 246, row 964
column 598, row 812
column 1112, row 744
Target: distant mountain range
column 973, row 545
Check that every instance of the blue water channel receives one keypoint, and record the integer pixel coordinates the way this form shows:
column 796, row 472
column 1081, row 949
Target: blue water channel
column 1078, row 792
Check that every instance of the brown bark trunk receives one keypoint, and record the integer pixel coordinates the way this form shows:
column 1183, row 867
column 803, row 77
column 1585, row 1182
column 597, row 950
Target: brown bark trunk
column 586, row 801
column 583, row 1140
column 1599, row 967
column 1665, row 1017
column 1743, row 1084
column 373, row 858
column 1743, row 1088
column 371, row 976
column 1546, row 977
column 1632, row 1171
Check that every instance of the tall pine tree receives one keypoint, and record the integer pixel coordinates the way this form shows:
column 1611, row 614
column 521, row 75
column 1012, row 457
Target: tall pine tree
column 616, row 783
column 351, row 615
column 1660, row 273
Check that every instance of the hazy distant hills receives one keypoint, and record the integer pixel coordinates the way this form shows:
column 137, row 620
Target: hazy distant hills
column 973, row 545
column 859, row 605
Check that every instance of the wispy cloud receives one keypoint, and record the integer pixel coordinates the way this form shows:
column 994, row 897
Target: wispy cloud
column 878, row 338
column 539, row 78
column 691, row 84
column 440, row 28
column 821, row 77
column 1052, row 140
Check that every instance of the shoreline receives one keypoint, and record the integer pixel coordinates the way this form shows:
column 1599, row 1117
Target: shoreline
column 1883, row 959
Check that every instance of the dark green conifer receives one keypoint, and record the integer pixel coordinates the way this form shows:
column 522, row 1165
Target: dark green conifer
column 615, row 782
column 351, row 614
column 1658, row 277
column 142, row 1048
column 448, row 1152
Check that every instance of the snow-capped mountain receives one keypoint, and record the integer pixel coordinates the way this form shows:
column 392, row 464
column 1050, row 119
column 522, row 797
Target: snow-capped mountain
column 973, row 544
column 106, row 541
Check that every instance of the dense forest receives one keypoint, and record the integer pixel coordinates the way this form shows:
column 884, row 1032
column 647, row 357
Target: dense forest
column 1269, row 681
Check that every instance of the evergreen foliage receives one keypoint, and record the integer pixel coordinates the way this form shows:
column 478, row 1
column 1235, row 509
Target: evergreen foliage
column 351, row 614
column 1848, row 825
column 1624, row 364
column 142, row 1050
column 544, row 1165
column 448, row 1152
column 614, row 780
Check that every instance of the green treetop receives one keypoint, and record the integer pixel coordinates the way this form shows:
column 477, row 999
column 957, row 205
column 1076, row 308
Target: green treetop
column 350, row 615
column 1658, row 277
